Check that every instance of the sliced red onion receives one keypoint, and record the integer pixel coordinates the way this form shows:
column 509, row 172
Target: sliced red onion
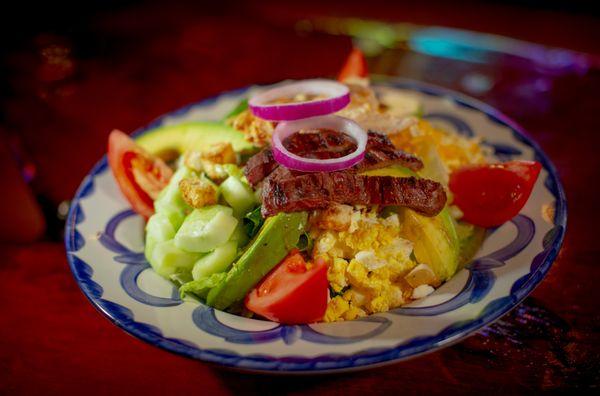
column 336, row 123
column 337, row 97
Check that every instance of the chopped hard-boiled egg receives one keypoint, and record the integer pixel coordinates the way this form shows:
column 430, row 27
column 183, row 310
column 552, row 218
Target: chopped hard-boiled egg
column 368, row 262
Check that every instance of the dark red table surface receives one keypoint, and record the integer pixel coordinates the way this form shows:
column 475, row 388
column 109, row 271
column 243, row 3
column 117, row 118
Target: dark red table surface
column 122, row 67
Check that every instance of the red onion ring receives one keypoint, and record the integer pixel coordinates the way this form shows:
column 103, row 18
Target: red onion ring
column 338, row 97
column 336, row 123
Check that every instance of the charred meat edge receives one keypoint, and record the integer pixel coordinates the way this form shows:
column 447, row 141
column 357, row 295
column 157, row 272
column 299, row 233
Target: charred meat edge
column 380, row 153
column 285, row 192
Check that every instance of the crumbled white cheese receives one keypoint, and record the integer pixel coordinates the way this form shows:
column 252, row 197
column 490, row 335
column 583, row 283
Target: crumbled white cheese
column 398, row 247
column 369, row 260
column 422, row 291
column 392, row 221
column 325, row 243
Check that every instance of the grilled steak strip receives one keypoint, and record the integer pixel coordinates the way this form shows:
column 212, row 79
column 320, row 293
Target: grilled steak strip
column 380, row 153
column 286, row 192
column 259, row 166
column 320, row 144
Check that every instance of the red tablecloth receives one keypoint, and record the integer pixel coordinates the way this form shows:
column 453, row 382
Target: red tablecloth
column 128, row 66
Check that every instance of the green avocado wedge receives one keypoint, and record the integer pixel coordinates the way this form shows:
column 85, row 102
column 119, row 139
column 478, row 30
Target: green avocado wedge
column 395, row 171
column 436, row 242
column 276, row 238
column 170, row 141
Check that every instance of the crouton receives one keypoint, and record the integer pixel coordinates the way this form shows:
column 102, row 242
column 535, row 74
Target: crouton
column 219, row 153
column 198, row 192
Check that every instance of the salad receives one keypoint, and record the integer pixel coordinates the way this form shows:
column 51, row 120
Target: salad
column 315, row 201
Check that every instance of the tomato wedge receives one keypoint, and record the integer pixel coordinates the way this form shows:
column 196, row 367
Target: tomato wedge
column 355, row 66
column 293, row 292
column 140, row 175
column 490, row 195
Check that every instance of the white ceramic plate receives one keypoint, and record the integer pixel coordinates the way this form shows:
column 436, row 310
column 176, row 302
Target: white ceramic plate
column 104, row 241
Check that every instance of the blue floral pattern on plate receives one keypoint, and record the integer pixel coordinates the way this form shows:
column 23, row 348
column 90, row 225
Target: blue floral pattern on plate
column 110, row 272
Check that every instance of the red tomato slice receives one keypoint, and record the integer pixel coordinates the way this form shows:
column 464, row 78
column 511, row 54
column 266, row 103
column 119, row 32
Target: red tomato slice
column 355, row 66
column 490, row 195
column 292, row 293
column 140, row 175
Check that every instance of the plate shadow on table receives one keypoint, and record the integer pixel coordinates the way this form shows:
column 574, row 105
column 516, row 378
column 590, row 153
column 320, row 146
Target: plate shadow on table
column 530, row 339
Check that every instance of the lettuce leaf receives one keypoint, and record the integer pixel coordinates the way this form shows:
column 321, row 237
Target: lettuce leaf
column 201, row 287
column 241, row 106
column 253, row 221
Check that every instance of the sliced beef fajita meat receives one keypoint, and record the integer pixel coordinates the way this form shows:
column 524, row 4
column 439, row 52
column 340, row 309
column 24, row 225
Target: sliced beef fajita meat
column 380, row 153
column 259, row 166
column 320, row 144
column 286, row 192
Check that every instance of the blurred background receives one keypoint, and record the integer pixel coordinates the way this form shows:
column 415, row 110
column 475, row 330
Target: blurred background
column 71, row 71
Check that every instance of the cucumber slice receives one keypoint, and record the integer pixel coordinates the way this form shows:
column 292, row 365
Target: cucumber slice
column 158, row 229
column 205, row 229
column 181, row 278
column 170, row 202
column 218, row 260
column 238, row 195
column 233, row 170
column 167, row 259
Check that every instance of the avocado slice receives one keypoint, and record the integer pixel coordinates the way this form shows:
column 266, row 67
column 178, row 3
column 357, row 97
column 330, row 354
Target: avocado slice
column 433, row 169
column 393, row 170
column 276, row 238
column 169, row 141
column 435, row 240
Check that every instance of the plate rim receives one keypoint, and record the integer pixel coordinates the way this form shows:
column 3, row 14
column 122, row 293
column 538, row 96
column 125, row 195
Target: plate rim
column 123, row 318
